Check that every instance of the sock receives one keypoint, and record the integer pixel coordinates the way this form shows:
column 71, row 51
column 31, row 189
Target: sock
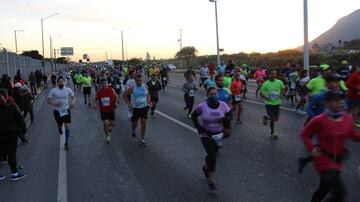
column 67, row 135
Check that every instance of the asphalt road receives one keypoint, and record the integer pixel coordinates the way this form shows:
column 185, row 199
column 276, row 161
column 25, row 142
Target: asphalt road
column 251, row 166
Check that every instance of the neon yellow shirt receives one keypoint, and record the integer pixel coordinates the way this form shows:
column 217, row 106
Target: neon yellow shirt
column 272, row 90
column 227, row 82
column 86, row 81
column 318, row 85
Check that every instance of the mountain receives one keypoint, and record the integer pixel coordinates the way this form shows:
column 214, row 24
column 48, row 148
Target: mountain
column 346, row 28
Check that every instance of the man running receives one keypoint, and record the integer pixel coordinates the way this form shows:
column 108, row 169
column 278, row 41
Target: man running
column 224, row 94
column 86, row 81
column 210, row 82
column 189, row 89
column 106, row 97
column 139, row 105
column 271, row 92
column 154, row 87
column 236, row 88
column 164, row 76
column 204, row 73
column 59, row 99
column 259, row 76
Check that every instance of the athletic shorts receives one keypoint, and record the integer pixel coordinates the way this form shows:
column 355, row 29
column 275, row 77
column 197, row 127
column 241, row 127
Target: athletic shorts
column 154, row 99
column 87, row 90
column 234, row 101
column 62, row 119
column 273, row 111
column 139, row 113
column 108, row 116
column 203, row 80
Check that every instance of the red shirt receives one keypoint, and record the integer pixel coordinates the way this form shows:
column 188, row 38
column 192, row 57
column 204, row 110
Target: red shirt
column 353, row 83
column 331, row 136
column 235, row 87
column 211, row 68
column 107, row 99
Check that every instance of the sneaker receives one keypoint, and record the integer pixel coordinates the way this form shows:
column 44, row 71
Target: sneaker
column 18, row 176
column 2, row 177
column 206, row 173
column 108, row 139
column 238, row 121
column 265, row 120
column 66, row 146
column 60, row 130
column 274, row 136
column 133, row 133
column 189, row 115
column 142, row 143
column 212, row 189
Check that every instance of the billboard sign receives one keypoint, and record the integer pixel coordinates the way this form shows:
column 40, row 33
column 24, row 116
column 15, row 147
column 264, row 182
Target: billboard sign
column 67, row 51
column 86, row 56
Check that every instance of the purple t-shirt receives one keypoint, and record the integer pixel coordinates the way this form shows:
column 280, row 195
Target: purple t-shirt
column 211, row 119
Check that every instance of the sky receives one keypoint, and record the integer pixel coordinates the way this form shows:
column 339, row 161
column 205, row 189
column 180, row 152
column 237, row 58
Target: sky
column 93, row 26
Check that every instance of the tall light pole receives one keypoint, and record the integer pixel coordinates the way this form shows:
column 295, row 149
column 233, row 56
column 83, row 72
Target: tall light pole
column 16, row 50
column 51, row 50
column 42, row 37
column 306, row 41
column 122, row 45
column 217, row 34
column 180, row 41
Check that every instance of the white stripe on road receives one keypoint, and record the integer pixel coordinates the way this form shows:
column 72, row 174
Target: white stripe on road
column 172, row 85
column 62, row 178
column 176, row 121
column 259, row 103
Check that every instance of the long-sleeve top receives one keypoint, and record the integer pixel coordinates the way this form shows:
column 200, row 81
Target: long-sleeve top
column 12, row 123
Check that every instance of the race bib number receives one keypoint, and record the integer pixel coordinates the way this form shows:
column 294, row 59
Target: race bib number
column 141, row 101
column 237, row 98
column 164, row 78
column 293, row 85
column 191, row 93
column 63, row 112
column 273, row 95
column 117, row 86
column 105, row 101
column 218, row 139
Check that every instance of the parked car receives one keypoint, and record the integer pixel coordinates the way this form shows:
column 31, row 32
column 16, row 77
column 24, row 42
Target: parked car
column 171, row 67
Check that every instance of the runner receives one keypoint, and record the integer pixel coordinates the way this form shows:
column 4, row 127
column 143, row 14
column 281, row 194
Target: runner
column 245, row 71
column 86, row 81
column 332, row 129
column 224, row 94
column 78, row 80
column 271, row 92
column 154, row 87
column 129, row 83
column 164, row 76
column 12, row 126
column 189, row 89
column 259, row 76
column 301, row 90
column 353, row 102
column 227, row 80
column 139, row 105
column 236, row 88
column 204, row 73
column 215, row 124
column 293, row 77
column 59, row 98
column 106, row 97
column 210, row 82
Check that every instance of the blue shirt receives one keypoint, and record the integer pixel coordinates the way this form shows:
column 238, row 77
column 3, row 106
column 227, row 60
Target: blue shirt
column 224, row 95
column 316, row 105
column 210, row 83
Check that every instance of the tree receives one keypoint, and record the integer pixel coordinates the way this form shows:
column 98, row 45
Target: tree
column 33, row 54
column 187, row 52
column 134, row 61
column 62, row 60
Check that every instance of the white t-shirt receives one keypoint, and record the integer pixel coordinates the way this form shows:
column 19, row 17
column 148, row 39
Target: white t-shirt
column 129, row 83
column 303, row 81
column 61, row 96
column 204, row 71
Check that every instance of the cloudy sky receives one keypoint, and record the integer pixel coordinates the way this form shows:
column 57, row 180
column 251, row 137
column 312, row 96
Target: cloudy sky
column 153, row 26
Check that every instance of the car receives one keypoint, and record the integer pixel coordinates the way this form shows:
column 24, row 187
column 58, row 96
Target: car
column 171, row 67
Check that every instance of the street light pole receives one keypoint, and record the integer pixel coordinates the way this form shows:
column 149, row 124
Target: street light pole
column 217, row 33
column 42, row 37
column 16, row 48
column 180, row 40
column 306, row 41
column 122, row 45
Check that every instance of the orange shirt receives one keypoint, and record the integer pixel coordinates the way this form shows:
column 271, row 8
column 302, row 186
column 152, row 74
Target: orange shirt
column 236, row 87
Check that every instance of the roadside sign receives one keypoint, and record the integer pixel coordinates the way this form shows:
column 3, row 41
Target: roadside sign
column 67, row 51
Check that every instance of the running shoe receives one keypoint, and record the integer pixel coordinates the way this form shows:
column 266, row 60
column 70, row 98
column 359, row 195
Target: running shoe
column 17, row 176
column 66, row 146
column 238, row 121
column 265, row 120
column 206, row 173
column 142, row 143
column 212, row 189
column 274, row 136
column 189, row 115
column 2, row 177
column 108, row 139
column 133, row 133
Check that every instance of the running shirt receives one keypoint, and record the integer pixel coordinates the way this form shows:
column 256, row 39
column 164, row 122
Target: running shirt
column 235, row 87
column 139, row 96
column 129, row 83
column 204, row 72
column 154, row 87
column 260, row 75
column 224, row 95
column 272, row 90
column 189, row 88
column 61, row 97
column 353, row 83
column 227, row 81
column 211, row 119
column 210, row 83
column 107, row 99
column 78, row 78
column 86, row 81
column 303, row 81
column 316, row 85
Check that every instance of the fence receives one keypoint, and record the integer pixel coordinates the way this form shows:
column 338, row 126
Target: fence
column 10, row 63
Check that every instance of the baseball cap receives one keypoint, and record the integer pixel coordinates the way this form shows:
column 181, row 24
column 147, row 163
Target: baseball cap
column 324, row 66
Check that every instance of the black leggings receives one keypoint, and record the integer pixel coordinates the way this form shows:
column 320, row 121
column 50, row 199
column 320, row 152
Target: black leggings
column 31, row 115
column 189, row 102
column 211, row 150
column 330, row 181
column 8, row 149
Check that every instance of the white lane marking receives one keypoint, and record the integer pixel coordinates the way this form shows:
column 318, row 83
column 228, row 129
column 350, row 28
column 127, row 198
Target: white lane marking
column 259, row 103
column 172, row 85
column 176, row 121
column 62, row 178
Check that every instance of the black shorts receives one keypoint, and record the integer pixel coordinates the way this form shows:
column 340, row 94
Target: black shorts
column 154, row 99
column 203, row 80
column 87, row 90
column 273, row 111
column 61, row 120
column 139, row 113
column 107, row 116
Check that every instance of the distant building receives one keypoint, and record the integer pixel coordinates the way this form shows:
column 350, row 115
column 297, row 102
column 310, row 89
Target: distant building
column 148, row 57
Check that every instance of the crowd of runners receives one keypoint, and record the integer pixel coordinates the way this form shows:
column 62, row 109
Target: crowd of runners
column 330, row 98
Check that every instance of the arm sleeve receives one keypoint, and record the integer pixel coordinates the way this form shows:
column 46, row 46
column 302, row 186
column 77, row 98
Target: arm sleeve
column 308, row 131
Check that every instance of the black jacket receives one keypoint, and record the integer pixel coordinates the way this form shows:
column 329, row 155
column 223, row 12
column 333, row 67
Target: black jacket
column 12, row 123
column 154, row 89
